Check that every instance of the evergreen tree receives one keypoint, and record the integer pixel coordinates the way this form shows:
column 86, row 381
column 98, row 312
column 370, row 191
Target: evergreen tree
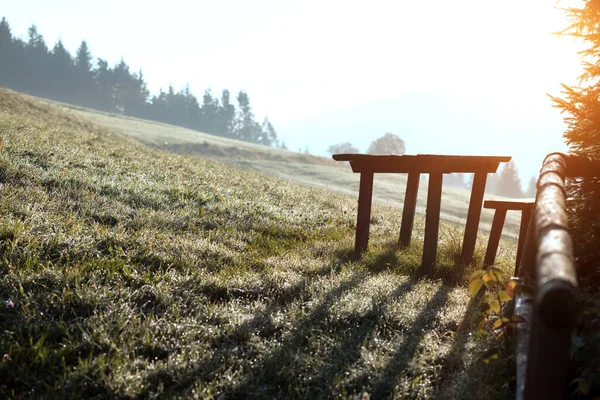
column 103, row 100
column 580, row 103
column 209, row 113
column 84, row 86
column 37, row 62
column 268, row 136
column 30, row 67
column 246, row 127
column 7, row 56
column 509, row 183
column 226, row 123
column 60, row 72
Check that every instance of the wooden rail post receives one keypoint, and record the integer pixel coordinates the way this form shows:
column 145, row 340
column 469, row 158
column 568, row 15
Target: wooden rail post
column 556, row 300
column 473, row 216
column 432, row 220
column 525, row 218
column 363, row 219
column 408, row 212
column 492, row 248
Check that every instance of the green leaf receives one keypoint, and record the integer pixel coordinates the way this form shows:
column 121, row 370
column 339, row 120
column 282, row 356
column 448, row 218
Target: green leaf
column 476, row 275
column 517, row 318
column 504, row 296
column 496, row 273
column 495, row 306
column 487, row 278
column 475, row 287
column 497, row 324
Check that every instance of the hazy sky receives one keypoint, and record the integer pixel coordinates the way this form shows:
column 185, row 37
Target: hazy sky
column 300, row 61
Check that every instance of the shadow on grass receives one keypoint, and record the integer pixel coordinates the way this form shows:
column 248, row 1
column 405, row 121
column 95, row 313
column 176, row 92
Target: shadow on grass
column 280, row 372
column 413, row 337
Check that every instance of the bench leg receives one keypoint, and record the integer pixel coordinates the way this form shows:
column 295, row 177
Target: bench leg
column 432, row 221
column 408, row 212
column 473, row 216
column 525, row 217
column 363, row 219
column 496, row 232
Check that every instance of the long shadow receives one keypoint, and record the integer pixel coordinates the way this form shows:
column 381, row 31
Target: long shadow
column 426, row 320
column 261, row 322
column 348, row 350
column 454, row 358
column 272, row 376
column 268, row 373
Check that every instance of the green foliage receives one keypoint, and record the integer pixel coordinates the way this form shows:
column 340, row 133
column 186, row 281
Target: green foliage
column 494, row 320
column 580, row 104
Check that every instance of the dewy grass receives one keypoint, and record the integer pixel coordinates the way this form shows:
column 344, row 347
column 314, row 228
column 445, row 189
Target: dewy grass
column 305, row 169
column 130, row 272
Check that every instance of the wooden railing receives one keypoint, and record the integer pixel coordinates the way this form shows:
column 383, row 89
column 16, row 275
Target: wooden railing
column 548, row 295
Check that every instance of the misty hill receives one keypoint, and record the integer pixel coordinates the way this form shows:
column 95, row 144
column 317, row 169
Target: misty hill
column 312, row 171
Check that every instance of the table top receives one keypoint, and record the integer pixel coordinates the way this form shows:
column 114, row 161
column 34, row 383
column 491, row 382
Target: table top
column 422, row 163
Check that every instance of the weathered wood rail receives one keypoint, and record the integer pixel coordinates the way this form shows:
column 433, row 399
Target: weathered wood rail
column 414, row 165
column 547, row 268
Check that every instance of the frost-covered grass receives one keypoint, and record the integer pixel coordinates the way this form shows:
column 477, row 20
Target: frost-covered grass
column 307, row 170
column 132, row 272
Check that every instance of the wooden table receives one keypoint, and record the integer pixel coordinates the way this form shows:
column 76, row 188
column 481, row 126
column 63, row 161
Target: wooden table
column 414, row 166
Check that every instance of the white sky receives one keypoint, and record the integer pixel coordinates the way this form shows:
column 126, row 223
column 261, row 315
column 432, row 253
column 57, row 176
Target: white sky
column 299, row 60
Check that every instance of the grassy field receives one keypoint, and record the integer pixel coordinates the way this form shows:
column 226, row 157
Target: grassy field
column 304, row 169
column 132, row 272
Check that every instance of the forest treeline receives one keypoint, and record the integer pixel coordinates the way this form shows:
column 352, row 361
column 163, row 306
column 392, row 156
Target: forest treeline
column 31, row 67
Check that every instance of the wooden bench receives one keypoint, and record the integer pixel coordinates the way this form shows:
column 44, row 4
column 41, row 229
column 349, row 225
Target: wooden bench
column 501, row 207
column 414, row 166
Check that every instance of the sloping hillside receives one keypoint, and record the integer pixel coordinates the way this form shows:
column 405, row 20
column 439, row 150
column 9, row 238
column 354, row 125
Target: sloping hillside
column 304, row 169
column 132, row 272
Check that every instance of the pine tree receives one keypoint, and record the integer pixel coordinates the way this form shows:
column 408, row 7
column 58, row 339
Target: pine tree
column 85, row 89
column 103, row 100
column 225, row 126
column 7, row 65
column 83, row 59
column 509, row 183
column 246, row 127
column 580, row 104
column 37, row 62
column 59, row 73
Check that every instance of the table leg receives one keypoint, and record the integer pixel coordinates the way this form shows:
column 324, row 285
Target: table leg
column 495, row 233
column 408, row 212
column 363, row 219
column 525, row 217
column 473, row 216
column 432, row 220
